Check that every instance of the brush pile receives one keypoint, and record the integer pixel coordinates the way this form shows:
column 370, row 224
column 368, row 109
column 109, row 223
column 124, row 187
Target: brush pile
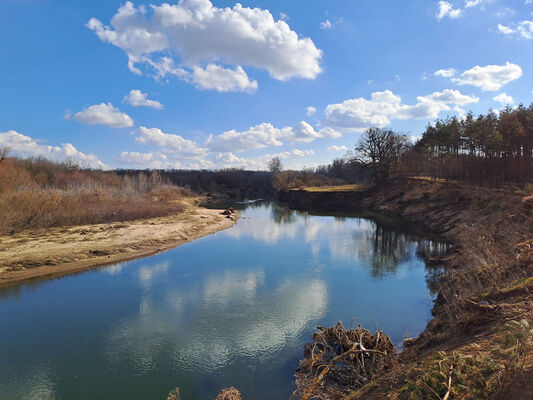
column 229, row 394
column 338, row 361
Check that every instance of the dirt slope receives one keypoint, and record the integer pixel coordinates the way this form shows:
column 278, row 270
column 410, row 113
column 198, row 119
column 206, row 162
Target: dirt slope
column 484, row 310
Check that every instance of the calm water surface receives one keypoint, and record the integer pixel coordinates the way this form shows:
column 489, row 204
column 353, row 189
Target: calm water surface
column 230, row 309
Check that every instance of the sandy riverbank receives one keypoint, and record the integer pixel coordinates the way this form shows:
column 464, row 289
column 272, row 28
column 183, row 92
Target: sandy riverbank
column 60, row 251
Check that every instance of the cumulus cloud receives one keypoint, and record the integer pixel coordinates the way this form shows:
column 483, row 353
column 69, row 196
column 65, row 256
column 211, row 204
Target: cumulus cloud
column 490, row 77
column 310, row 110
column 175, row 144
column 161, row 160
column 360, row 113
column 329, row 132
column 256, row 137
column 102, row 114
column 25, row 146
column 139, row 99
column 522, row 29
column 301, row 132
column 230, row 160
column 337, row 148
column 215, row 77
column 260, row 136
column 201, row 34
column 445, row 73
column 153, row 160
column 504, row 99
column 445, row 9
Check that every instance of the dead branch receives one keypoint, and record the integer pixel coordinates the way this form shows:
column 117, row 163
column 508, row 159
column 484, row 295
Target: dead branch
column 340, row 360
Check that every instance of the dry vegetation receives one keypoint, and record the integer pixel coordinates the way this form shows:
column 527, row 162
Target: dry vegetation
column 340, row 360
column 479, row 345
column 36, row 193
column 286, row 180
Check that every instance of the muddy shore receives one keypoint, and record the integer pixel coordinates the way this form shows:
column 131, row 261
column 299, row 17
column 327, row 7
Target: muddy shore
column 47, row 253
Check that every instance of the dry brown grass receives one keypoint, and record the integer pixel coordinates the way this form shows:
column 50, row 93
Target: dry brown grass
column 335, row 188
column 42, row 194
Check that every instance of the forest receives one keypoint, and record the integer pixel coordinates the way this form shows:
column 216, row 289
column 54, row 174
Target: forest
column 491, row 149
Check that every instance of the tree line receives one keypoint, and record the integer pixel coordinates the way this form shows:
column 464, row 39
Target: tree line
column 491, row 149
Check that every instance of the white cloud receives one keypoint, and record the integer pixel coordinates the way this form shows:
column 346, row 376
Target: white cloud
column 256, row 137
column 506, row 30
column 171, row 143
column 301, row 132
column 260, row 136
column 201, row 34
column 25, row 146
column 337, row 148
column 161, row 160
column 214, row 77
column 230, row 160
column 325, row 24
column 330, row 133
column 472, row 3
column 359, row 114
column 446, row 10
column 522, row 29
column 525, row 29
column 504, row 99
column 490, row 77
column 310, row 110
column 284, row 17
column 139, row 99
column 103, row 114
column 445, row 73
column 147, row 160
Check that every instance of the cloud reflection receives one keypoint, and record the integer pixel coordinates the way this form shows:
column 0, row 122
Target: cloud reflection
column 206, row 325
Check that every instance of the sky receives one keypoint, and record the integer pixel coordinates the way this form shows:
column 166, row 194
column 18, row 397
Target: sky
column 195, row 84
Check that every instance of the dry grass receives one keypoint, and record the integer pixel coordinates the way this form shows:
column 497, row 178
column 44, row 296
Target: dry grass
column 42, row 194
column 335, row 188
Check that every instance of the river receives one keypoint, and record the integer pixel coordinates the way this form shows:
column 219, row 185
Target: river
column 231, row 309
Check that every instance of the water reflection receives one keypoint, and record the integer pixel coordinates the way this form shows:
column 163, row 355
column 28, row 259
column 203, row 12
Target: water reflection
column 234, row 308
column 382, row 242
column 230, row 320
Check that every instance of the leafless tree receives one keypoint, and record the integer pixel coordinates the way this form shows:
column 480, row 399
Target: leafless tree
column 275, row 166
column 378, row 149
column 4, row 151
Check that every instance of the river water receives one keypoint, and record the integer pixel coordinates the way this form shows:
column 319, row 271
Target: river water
column 231, row 309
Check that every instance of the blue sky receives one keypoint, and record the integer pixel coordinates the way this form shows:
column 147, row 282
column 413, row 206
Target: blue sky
column 212, row 84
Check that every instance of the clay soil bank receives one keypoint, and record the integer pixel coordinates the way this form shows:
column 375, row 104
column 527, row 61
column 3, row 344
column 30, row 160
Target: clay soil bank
column 47, row 253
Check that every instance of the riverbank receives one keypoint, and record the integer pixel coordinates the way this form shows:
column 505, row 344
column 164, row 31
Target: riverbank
column 53, row 252
column 481, row 330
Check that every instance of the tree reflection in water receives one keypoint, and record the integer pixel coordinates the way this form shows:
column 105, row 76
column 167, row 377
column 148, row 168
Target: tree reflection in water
column 391, row 243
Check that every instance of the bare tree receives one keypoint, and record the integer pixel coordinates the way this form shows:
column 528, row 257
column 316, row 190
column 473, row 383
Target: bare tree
column 275, row 166
column 4, row 151
column 378, row 149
